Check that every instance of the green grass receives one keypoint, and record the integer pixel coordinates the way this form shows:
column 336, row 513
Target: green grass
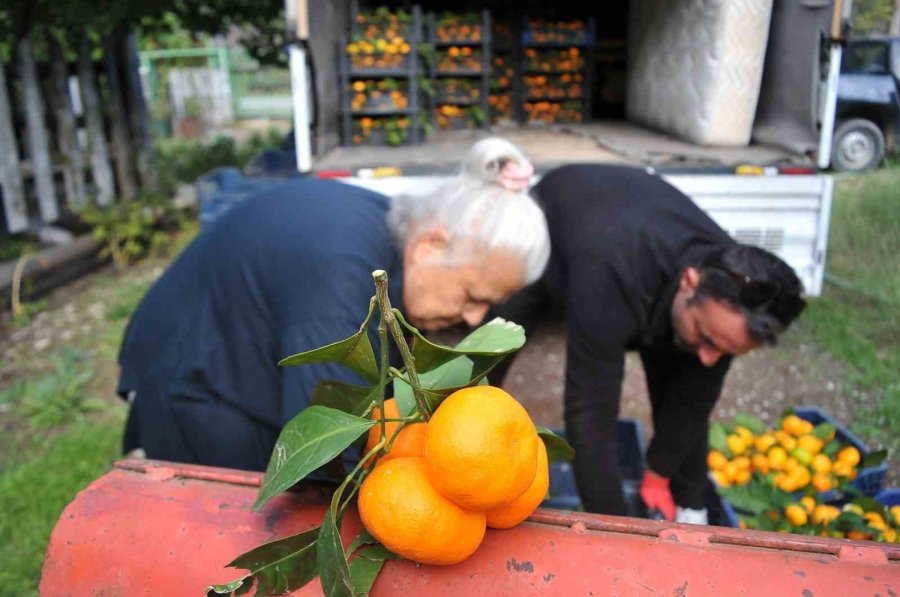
column 33, row 494
column 857, row 319
column 56, row 433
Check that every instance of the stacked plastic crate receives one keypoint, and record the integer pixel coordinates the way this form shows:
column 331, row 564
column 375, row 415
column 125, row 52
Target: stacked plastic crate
column 380, row 71
column 503, row 72
column 460, row 69
column 556, row 71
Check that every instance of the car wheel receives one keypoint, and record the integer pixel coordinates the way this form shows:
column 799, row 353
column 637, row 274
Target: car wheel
column 858, row 146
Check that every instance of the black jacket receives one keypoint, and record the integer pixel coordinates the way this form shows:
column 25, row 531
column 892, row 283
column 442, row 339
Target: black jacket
column 621, row 238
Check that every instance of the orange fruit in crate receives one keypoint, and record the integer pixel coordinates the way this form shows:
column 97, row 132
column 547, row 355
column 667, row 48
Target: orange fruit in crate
column 481, row 448
column 730, row 470
column 777, row 457
column 399, row 506
column 824, row 513
column 809, row 503
column 849, row 455
column 720, row 478
column 409, row 442
column 810, row 443
column 821, row 464
column 796, row 515
column 800, row 476
column 715, row 460
column 736, row 444
column 743, row 463
column 822, row 482
column 761, row 463
column 764, row 442
column 742, row 477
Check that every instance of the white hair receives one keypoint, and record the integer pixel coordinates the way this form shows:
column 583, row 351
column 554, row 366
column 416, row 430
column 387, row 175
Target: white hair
column 474, row 206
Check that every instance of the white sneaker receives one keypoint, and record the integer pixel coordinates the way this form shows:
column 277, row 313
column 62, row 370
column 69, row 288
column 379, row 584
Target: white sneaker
column 690, row 516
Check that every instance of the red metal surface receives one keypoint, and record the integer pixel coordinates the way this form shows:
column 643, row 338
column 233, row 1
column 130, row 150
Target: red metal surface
column 153, row 528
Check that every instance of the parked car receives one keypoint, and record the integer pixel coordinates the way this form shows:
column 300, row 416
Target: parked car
column 868, row 109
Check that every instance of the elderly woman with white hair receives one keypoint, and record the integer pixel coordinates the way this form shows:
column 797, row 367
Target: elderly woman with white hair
column 289, row 270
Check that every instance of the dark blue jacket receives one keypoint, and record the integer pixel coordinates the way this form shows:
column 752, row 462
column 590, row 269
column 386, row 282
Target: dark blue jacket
column 285, row 271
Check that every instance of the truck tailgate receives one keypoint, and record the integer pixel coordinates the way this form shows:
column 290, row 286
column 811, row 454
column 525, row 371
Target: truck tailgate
column 156, row 528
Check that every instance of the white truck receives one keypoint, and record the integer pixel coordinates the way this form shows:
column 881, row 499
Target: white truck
column 731, row 101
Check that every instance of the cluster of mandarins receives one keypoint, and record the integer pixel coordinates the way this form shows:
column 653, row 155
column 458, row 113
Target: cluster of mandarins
column 477, row 463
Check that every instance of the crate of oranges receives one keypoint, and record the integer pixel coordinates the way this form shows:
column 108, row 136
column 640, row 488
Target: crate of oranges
column 576, row 32
column 383, row 53
column 379, row 95
column 459, row 59
column 462, row 28
column 381, row 130
column 383, row 22
column 452, row 118
column 807, row 454
column 862, row 519
column 553, row 112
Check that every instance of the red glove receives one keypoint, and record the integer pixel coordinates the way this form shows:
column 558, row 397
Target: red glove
column 656, row 494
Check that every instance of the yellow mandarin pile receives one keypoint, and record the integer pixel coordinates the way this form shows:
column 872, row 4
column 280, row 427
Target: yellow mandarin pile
column 791, row 458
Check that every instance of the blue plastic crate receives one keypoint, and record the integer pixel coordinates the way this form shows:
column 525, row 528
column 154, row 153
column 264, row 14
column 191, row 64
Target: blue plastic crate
column 869, row 480
column 564, row 493
column 223, row 188
column 889, row 497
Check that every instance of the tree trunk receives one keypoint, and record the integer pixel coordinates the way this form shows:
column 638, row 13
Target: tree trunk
column 895, row 19
column 10, row 168
column 66, row 128
column 142, row 137
column 90, row 100
column 36, row 124
column 121, row 136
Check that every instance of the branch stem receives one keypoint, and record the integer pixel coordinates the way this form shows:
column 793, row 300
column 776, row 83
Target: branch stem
column 388, row 319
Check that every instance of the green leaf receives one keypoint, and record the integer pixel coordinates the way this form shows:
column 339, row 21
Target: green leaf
column 363, row 573
column 363, row 538
column 308, row 441
column 756, row 497
column 348, row 398
column 331, row 560
column 354, row 352
column 437, row 384
column 557, row 447
column 486, row 346
column 229, row 588
column 718, row 438
column 874, row 458
column 869, row 504
column 851, row 521
column 832, row 448
column 279, row 566
column 754, row 424
column 377, row 552
column 845, row 487
column 824, row 431
column 365, row 567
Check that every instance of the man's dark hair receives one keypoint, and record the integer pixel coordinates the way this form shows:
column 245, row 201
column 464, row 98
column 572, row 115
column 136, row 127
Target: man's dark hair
column 763, row 287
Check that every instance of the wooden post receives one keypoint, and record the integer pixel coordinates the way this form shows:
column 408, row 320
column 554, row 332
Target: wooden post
column 66, row 129
column 90, row 100
column 10, row 167
column 894, row 28
column 142, row 138
column 36, row 125
column 121, row 136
